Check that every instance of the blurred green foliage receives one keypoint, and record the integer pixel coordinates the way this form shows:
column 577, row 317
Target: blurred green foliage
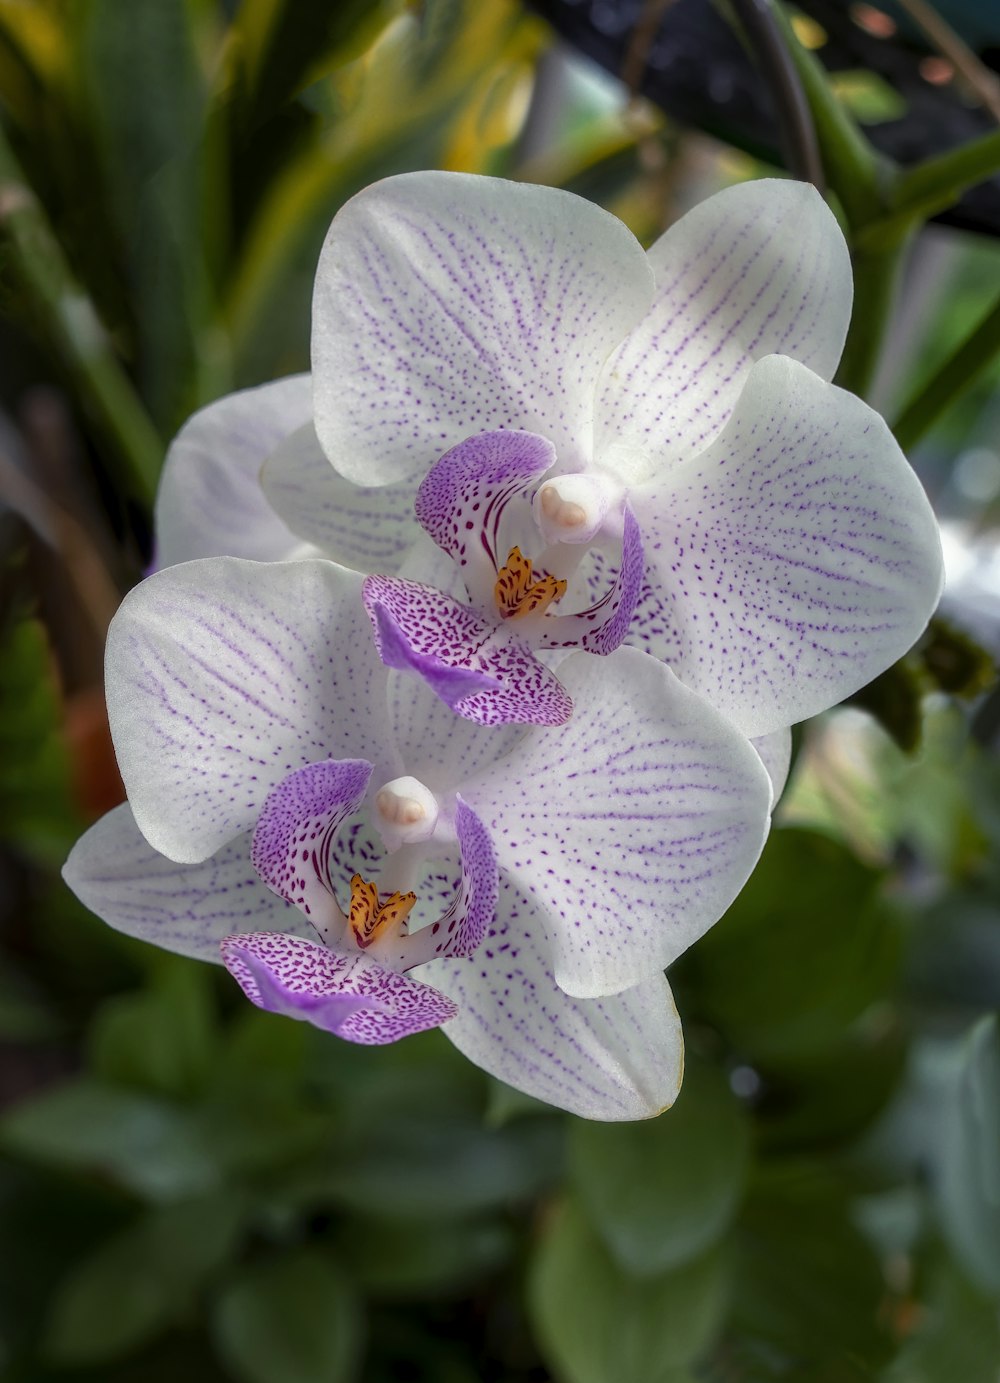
column 190, row 1186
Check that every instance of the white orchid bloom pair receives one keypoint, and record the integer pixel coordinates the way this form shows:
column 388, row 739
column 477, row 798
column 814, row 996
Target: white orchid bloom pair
column 611, row 447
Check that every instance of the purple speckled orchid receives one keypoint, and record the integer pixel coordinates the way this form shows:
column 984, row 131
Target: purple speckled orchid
column 681, row 401
column 327, row 826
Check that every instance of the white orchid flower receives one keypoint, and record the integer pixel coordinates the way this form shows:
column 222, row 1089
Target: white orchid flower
column 245, row 477
column 326, row 826
column 760, row 526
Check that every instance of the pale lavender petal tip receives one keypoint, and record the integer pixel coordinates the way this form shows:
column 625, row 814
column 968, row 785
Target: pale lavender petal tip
column 462, row 499
column 474, row 668
column 351, row 996
column 291, row 843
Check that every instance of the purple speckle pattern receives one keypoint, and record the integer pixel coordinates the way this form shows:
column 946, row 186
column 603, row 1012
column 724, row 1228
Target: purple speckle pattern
column 471, row 899
column 447, row 305
column 357, row 526
column 733, row 284
column 225, row 676
column 793, row 560
column 187, row 908
column 349, row 995
column 603, row 626
column 619, row 1057
column 633, row 827
column 298, row 825
column 210, row 502
column 463, row 497
column 478, row 669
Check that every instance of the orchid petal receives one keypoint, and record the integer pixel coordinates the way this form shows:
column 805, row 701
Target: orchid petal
column 349, row 995
column 613, row 1058
column 757, row 269
column 210, row 502
column 633, row 827
column 441, row 749
column 793, row 560
column 476, row 669
column 370, row 530
column 474, row 901
column 603, row 627
column 299, row 819
column 187, row 908
column 775, row 752
column 463, row 498
column 448, row 304
column 224, row 676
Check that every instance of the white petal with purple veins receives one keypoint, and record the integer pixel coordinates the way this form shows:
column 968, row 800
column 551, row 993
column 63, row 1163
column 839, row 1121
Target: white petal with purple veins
column 223, row 677
column 775, row 751
column 793, row 560
column 357, row 526
column 757, row 269
column 210, row 502
column 349, row 995
column 633, row 827
column 187, row 908
column 438, row 747
column 478, row 669
column 613, row 1058
column 447, row 304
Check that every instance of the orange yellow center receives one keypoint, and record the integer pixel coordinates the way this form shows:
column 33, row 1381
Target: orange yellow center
column 518, row 592
column 368, row 917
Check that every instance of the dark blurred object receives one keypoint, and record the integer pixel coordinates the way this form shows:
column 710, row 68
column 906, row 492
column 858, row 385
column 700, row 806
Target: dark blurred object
column 698, row 72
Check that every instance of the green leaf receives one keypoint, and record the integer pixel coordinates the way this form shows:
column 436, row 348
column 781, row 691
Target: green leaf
column 660, row 1192
column 422, row 1258
column 969, row 1190
column 150, row 1146
column 135, row 1284
column 292, row 1319
column 414, row 1167
column 598, row 1325
column 36, row 809
column 957, row 1333
column 806, row 948
column 162, row 1039
column 147, row 97
column 808, row 1287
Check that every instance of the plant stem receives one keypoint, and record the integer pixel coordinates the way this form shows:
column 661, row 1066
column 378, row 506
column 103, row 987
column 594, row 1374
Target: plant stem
column 961, row 370
column 855, row 172
column 928, row 187
column 876, row 273
column 795, row 122
column 72, row 324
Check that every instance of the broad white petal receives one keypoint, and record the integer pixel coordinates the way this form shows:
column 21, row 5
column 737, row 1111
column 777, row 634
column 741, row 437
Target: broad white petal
column 440, row 748
column 615, row 1058
column 632, row 827
column 223, row 676
column 448, row 304
column 368, row 529
column 210, row 502
column 791, row 562
column 757, row 269
column 775, row 752
column 187, row 908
